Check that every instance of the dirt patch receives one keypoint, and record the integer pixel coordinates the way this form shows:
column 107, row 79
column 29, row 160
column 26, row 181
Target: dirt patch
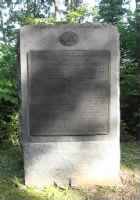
column 128, row 189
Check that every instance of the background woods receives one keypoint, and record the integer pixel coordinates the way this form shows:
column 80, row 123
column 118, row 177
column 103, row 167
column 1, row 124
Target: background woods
column 17, row 13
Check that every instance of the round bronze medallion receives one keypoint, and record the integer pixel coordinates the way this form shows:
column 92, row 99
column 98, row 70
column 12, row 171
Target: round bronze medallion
column 68, row 38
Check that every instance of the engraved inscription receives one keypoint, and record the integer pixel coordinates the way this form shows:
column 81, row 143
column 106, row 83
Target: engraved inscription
column 68, row 92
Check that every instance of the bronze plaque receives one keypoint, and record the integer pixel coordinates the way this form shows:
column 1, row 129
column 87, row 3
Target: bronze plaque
column 69, row 92
column 68, row 38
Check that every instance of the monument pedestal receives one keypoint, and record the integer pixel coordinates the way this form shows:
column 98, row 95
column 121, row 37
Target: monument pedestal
column 83, row 163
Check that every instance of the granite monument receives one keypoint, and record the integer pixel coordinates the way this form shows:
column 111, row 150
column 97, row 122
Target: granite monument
column 70, row 116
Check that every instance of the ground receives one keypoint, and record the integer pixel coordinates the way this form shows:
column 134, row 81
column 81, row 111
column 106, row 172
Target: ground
column 12, row 187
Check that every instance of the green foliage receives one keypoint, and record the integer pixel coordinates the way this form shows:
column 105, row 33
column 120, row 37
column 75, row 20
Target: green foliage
column 115, row 12
column 12, row 129
column 130, row 96
column 111, row 11
column 74, row 16
column 4, row 119
column 81, row 13
column 8, row 92
column 8, row 74
column 38, row 12
column 9, row 125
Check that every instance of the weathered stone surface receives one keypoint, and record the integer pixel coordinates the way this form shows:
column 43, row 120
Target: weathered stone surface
column 84, row 163
column 85, row 155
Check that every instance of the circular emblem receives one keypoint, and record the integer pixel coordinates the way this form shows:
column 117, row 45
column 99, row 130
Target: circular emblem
column 68, row 38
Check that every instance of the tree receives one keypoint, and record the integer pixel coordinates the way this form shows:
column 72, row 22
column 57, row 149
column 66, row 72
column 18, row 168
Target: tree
column 111, row 11
column 14, row 15
column 117, row 13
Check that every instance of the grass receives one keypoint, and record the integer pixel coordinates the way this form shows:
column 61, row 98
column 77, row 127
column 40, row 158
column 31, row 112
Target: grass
column 130, row 156
column 12, row 187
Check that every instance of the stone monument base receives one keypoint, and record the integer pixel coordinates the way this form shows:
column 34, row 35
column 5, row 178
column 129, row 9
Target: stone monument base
column 83, row 163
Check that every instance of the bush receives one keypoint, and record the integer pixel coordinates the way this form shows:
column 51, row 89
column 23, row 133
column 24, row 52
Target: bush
column 130, row 110
column 8, row 124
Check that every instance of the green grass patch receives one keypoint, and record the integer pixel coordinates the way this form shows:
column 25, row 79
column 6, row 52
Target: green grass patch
column 130, row 156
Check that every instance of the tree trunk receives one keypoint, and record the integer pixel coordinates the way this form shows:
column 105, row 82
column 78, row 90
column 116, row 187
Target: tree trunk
column 2, row 28
column 57, row 9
